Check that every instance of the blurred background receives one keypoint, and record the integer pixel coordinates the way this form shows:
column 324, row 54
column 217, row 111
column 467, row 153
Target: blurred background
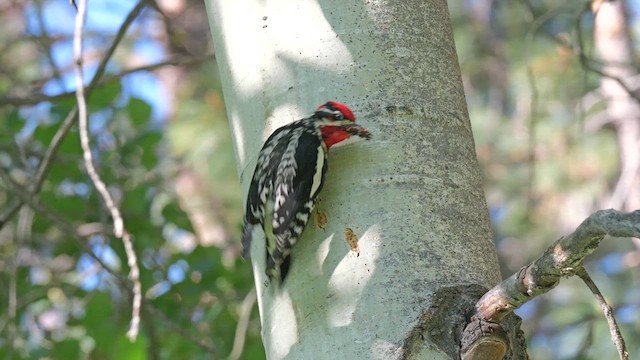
column 556, row 135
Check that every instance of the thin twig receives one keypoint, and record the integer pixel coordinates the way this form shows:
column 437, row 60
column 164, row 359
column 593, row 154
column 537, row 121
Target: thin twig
column 76, row 234
column 151, row 332
column 23, row 234
column 56, row 141
column 616, row 336
column 69, row 121
column 118, row 222
column 133, row 14
column 38, row 98
column 45, row 163
column 12, row 301
column 244, row 315
column 585, row 61
column 59, row 222
column 562, row 259
column 48, row 49
column 10, row 211
column 533, row 101
column 180, row 331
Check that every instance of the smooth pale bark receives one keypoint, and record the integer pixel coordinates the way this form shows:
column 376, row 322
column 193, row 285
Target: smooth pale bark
column 412, row 195
column 614, row 48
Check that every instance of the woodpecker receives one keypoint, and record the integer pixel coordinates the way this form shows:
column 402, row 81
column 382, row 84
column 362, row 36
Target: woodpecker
column 288, row 177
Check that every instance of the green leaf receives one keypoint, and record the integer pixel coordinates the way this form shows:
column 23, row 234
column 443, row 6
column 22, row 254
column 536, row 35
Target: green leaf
column 134, row 202
column 99, row 322
column 61, row 108
column 104, row 96
column 126, row 350
column 45, row 133
column 66, row 349
column 14, row 123
column 139, row 112
column 149, row 143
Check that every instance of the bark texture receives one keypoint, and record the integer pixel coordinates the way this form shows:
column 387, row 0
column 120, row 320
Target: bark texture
column 413, row 195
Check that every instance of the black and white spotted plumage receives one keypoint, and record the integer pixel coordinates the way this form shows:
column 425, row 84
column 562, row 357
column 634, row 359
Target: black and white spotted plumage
column 289, row 176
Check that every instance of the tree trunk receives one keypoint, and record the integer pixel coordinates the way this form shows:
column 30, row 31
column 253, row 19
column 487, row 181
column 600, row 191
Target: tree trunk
column 413, row 195
column 613, row 45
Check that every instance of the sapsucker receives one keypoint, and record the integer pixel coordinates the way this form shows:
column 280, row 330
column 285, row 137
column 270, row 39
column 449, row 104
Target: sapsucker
column 288, row 177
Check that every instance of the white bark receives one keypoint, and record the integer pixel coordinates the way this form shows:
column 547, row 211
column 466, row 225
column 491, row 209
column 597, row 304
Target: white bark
column 613, row 45
column 413, row 194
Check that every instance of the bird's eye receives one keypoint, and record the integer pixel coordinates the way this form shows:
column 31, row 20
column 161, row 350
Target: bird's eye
column 338, row 117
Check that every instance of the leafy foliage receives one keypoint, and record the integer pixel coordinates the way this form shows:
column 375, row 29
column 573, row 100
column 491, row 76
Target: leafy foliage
column 176, row 184
column 544, row 171
column 62, row 302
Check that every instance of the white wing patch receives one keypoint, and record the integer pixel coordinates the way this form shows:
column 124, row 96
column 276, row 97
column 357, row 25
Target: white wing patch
column 317, row 177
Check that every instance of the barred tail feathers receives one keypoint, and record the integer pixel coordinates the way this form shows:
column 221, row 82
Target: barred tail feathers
column 280, row 244
column 278, row 269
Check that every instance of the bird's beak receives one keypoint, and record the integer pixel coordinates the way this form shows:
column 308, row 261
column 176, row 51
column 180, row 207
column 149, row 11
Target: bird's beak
column 357, row 130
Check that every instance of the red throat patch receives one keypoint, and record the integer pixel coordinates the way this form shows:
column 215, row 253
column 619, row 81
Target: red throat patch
column 333, row 135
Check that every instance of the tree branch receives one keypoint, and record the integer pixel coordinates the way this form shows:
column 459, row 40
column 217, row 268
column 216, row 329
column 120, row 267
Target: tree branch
column 118, row 222
column 585, row 61
column 616, row 336
column 57, row 220
column 69, row 121
column 76, row 233
column 588, row 63
column 535, row 26
column 564, row 258
column 38, row 98
column 244, row 315
column 182, row 332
